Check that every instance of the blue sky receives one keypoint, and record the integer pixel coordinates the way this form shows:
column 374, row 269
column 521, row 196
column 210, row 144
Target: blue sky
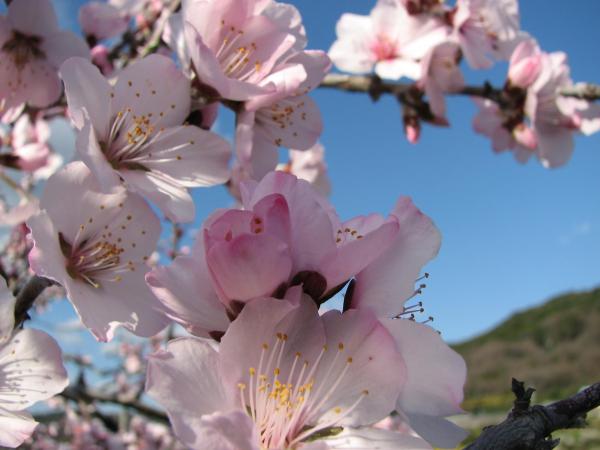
column 513, row 235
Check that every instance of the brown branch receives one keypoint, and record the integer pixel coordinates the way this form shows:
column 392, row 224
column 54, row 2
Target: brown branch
column 530, row 427
column 27, row 296
column 376, row 87
column 77, row 394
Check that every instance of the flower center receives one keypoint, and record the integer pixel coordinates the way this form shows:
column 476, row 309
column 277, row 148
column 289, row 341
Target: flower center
column 96, row 254
column 384, row 48
column 286, row 403
column 236, row 56
column 23, row 48
column 346, row 235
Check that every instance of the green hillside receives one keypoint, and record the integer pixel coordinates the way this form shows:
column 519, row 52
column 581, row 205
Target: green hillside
column 554, row 347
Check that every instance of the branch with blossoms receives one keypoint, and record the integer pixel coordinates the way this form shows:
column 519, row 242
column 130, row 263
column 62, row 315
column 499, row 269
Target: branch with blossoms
column 262, row 358
column 375, row 87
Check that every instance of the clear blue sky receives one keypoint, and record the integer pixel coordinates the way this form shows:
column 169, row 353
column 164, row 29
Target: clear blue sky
column 513, row 235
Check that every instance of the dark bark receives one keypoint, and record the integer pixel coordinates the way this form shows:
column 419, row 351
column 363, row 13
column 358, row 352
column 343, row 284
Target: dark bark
column 530, row 427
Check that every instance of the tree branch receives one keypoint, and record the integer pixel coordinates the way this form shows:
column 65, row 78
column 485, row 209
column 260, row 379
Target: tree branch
column 376, row 87
column 529, row 427
column 76, row 393
column 27, row 296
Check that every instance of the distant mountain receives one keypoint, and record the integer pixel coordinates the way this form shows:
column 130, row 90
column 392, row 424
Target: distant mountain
column 554, row 348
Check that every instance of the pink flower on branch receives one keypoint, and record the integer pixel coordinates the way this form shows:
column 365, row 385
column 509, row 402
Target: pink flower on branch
column 309, row 165
column 285, row 118
column 389, row 41
column 283, row 377
column 287, row 234
column 32, row 48
column 234, row 46
column 31, row 370
column 131, row 132
column 435, row 373
column 31, row 150
column 486, row 29
column 531, row 117
column 96, row 245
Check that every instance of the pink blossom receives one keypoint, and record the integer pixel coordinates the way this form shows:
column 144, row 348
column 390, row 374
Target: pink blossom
column 186, row 291
column 100, row 58
column 96, row 246
column 525, row 64
column 131, row 132
column 535, row 119
column 319, row 249
column 285, row 118
column 286, row 235
column 30, row 143
column 31, row 370
column 31, row 49
column 102, row 20
column 554, row 128
column 492, row 122
column 389, row 41
column 441, row 75
column 282, row 374
column 309, row 165
column 436, row 374
column 586, row 113
column 234, row 46
column 13, row 215
column 485, row 29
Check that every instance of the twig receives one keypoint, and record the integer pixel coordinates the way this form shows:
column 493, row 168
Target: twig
column 530, row 427
column 376, row 87
column 81, row 394
column 154, row 40
column 27, row 296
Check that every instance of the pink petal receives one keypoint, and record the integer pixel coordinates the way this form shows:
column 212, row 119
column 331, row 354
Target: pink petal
column 225, row 431
column 256, row 155
column 250, row 266
column 185, row 289
column 88, row 94
column 351, row 51
column 153, row 87
column 437, row 431
column 312, row 231
column 40, row 85
column 75, row 179
column 202, row 414
column 260, row 322
column 436, row 373
column 375, row 439
column 88, row 147
column 102, row 20
column 46, row 258
column 293, row 122
column 42, row 23
column 173, row 380
column 163, row 190
column 7, row 311
column 15, row 427
column 37, row 355
column 555, row 145
column 190, row 155
column 376, row 367
column 387, row 282
column 368, row 237
column 60, row 46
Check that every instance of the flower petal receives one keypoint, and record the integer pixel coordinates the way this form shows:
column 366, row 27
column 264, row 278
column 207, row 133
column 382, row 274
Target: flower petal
column 387, row 282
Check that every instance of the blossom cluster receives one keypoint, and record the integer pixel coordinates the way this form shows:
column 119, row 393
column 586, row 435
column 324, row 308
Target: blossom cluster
column 300, row 329
column 425, row 41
